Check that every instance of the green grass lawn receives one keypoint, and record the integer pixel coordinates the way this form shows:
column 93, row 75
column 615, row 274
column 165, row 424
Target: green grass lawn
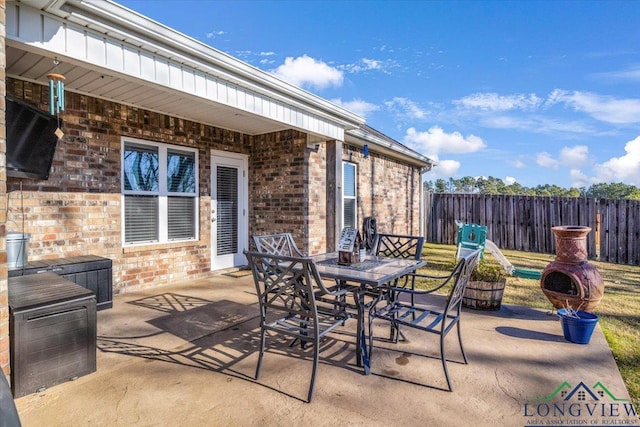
column 619, row 310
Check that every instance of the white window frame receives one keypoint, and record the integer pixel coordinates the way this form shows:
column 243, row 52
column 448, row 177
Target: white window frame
column 355, row 192
column 163, row 194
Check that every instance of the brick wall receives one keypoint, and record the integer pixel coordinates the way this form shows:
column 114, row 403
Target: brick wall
column 77, row 211
column 388, row 189
column 4, row 304
column 278, row 182
column 317, row 197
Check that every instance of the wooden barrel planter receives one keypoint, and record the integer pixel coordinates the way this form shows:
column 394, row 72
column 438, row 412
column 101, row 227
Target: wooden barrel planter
column 483, row 295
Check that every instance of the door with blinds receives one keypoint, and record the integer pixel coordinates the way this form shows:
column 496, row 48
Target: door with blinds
column 229, row 199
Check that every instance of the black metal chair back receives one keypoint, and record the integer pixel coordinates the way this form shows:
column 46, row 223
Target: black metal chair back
column 398, row 246
column 277, row 244
column 287, row 288
column 398, row 311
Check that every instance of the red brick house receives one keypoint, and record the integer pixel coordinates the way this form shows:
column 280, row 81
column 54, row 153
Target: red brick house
column 234, row 152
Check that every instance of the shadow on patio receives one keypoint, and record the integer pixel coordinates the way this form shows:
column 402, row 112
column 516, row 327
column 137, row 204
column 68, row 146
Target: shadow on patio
column 186, row 354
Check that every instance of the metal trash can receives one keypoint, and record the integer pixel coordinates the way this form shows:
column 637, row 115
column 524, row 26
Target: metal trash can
column 17, row 248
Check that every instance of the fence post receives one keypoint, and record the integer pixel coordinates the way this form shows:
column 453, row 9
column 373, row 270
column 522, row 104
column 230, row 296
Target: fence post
column 598, row 235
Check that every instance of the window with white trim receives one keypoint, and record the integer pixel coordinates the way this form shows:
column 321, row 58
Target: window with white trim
column 349, row 192
column 160, row 188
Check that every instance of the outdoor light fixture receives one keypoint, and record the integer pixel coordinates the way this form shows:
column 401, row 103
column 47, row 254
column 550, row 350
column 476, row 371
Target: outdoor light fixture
column 56, row 90
column 365, row 150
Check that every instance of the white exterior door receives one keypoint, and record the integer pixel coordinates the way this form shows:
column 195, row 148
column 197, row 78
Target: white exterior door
column 229, row 200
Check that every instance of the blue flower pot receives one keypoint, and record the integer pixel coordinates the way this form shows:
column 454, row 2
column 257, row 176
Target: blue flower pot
column 578, row 329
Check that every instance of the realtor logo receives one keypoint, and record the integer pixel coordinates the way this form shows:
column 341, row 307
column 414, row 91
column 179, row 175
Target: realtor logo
column 581, row 405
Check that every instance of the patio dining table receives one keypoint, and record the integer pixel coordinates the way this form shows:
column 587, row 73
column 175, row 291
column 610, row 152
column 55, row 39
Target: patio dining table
column 370, row 274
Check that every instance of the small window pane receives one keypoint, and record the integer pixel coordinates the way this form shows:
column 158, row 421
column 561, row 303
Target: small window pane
column 140, row 168
column 141, row 219
column 182, row 218
column 350, row 213
column 349, row 180
column 181, row 172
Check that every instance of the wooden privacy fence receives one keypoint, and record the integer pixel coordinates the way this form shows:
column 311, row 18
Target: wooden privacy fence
column 524, row 223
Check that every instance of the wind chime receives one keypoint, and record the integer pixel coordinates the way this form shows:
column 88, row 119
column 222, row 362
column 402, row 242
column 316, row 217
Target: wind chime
column 56, row 95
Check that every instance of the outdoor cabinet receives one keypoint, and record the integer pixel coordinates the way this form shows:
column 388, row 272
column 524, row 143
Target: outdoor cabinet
column 52, row 324
column 90, row 271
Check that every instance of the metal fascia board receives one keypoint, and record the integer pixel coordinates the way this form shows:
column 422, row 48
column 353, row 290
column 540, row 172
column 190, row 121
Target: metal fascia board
column 360, row 137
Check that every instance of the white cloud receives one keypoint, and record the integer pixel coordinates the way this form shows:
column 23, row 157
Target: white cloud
column 372, row 64
column 436, row 141
column 263, row 58
column 214, row 34
column 532, row 113
column 443, row 170
column 574, row 156
column 244, row 53
column 580, row 179
column 406, row 108
column 307, row 71
column 630, row 74
column 496, row 102
column 525, row 112
column 519, row 164
column 546, row 161
column 604, row 108
column 537, row 124
column 624, row 169
column 366, row 64
column 357, row 106
column 510, row 180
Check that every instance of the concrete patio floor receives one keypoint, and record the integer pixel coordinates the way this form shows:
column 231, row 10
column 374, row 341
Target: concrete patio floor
column 185, row 355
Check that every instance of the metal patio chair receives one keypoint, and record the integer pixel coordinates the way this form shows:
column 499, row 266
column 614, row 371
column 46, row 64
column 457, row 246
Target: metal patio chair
column 284, row 244
column 399, row 246
column 287, row 289
column 277, row 244
column 398, row 311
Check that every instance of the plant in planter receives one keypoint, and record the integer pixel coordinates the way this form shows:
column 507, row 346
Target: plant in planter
column 486, row 286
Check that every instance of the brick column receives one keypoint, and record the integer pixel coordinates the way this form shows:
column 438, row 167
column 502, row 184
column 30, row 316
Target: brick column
column 334, row 193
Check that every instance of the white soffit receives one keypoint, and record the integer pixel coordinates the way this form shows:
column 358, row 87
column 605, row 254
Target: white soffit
column 102, row 58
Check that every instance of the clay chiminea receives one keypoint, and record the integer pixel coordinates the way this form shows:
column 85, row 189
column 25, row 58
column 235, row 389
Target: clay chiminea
column 570, row 281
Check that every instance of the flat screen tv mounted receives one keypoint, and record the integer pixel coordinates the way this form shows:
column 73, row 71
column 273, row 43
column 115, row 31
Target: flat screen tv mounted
column 31, row 140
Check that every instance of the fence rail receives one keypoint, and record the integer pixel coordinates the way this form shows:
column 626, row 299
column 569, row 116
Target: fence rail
column 524, row 223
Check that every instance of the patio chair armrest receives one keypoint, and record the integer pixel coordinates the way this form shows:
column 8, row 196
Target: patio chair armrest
column 429, row 276
column 337, row 290
column 413, row 291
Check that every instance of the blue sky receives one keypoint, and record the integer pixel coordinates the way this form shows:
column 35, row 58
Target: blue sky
column 538, row 92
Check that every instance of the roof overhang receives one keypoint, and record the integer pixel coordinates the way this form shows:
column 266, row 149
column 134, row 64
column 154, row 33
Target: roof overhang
column 381, row 143
column 110, row 52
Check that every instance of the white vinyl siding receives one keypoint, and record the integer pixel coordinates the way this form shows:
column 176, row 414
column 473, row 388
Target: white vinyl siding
column 349, row 193
column 159, row 187
column 101, row 44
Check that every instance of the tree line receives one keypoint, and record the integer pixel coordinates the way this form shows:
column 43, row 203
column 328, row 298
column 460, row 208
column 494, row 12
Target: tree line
column 491, row 185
